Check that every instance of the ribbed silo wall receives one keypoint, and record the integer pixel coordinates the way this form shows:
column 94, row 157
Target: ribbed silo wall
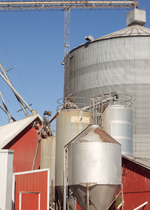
column 121, row 65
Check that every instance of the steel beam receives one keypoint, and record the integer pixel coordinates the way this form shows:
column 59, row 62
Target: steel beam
column 47, row 5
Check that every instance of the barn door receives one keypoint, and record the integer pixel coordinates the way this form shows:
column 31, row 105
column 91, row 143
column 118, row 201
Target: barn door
column 29, row 201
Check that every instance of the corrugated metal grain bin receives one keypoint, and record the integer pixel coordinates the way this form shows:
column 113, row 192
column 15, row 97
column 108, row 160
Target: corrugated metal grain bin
column 118, row 62
column 6, row 177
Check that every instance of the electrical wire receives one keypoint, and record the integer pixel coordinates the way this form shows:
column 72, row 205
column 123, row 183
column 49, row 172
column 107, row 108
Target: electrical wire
column 17, row 70
column 9, row 100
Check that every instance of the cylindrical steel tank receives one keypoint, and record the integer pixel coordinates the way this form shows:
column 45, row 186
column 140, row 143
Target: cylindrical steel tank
column 94, row 158
column 48, row 147
column 69, row 123
column 118, row 62
column 117, row 122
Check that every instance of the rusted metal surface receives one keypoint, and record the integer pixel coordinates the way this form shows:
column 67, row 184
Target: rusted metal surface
column 94, row 168
column 104, row 137
column 94, row 133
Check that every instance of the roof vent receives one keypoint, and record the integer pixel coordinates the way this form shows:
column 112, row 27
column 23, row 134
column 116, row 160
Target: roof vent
column 89, row 38
column 136, row 16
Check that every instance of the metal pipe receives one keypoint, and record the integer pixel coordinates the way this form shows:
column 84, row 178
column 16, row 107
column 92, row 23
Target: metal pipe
column 5, row 109
column 35, row 154
column 122, row 197
column 53, row 118
column 15, row 92
column 51, row 208
column 4, row 103
column 68, row 199
column 119, row 205
column 102, row 101
column 65, row 178
column 122, row 3
column 9, row 116
column 87, row 196
column 141, row 205
column 55, row 115
column 115, row 199
column 5, row 74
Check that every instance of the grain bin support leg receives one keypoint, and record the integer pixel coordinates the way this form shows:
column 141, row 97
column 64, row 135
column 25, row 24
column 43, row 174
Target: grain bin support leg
column 87, row 196
column 122, row 197
column 65, row 178
column 122, row 203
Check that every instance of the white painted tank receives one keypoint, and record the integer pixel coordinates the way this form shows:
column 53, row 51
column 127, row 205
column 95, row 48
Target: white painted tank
column 69, row 123
column 117, row 122
column 6, row 178
column 94, row 158
column 48, row 147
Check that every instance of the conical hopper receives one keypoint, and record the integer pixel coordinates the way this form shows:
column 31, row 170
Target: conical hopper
column 94, row 158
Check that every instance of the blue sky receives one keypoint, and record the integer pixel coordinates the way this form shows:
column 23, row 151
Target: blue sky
column 34, row 41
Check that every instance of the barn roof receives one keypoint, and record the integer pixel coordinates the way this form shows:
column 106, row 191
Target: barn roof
column 144, row 162
column 11, row 130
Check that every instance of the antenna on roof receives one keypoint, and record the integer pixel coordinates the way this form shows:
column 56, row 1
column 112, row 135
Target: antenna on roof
column 11, row 119
column 19, row 98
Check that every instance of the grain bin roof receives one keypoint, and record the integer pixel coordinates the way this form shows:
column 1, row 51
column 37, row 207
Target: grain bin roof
column 144, row 162
column 134, row 30
column 130, row 31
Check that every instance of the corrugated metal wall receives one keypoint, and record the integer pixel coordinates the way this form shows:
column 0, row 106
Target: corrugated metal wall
column 6, row 174
column 136, row 185
column 121, row 65
column 24, row 146
column 33, row 182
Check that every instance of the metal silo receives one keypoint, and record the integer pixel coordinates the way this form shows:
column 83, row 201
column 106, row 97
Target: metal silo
column 69, row 123
column 48, row 147
column 118, row 62
column 94, row 160
column 117, row 122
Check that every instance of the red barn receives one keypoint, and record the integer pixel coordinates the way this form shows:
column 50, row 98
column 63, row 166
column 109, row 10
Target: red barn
column 136, row 184
column 22, row 137
column 31, row 190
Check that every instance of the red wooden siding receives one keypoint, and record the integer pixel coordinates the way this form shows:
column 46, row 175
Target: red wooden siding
column 32, row 182
column 30, row 201
column 24, row 146
column 136, row 185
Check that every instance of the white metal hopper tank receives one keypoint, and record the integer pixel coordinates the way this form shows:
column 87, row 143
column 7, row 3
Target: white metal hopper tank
column 94, row 157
